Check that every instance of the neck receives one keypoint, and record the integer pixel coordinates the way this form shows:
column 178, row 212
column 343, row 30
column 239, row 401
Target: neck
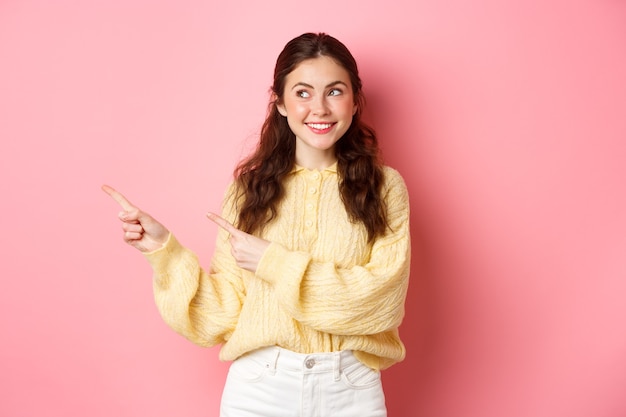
column 316, row 161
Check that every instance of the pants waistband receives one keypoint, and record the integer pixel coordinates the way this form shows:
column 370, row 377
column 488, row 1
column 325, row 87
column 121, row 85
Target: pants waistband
column 274, row 357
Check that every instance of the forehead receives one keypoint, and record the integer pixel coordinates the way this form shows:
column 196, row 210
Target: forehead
column 321, row 70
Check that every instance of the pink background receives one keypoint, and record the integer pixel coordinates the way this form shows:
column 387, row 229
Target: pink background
column 507, row 119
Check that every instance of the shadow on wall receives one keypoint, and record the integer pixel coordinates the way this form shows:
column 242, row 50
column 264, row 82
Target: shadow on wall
column 393, row 109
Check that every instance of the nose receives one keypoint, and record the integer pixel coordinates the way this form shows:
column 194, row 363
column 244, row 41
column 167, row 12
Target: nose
column 319, row 106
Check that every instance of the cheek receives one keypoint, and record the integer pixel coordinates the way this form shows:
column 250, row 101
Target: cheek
column 300, row 108
column 296, row 110
column 346, row 110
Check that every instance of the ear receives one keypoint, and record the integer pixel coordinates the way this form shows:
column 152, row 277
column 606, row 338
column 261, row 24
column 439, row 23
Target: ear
column 355, row 107
column 279, row 105
column 281, row 109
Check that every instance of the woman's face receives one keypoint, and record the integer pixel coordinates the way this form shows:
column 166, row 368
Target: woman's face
column 319, row 104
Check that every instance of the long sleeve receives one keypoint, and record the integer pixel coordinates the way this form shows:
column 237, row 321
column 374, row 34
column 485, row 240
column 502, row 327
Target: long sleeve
column 202, row 306
column 360, row 299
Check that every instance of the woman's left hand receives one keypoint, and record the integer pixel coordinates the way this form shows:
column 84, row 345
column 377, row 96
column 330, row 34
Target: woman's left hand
column 245, row 248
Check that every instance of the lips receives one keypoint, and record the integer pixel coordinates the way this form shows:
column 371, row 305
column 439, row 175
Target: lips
column 320, row 127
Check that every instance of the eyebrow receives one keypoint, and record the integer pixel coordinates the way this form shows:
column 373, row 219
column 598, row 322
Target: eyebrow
column 303, row 84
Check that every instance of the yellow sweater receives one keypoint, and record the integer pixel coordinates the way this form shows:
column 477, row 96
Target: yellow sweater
column 319, row 287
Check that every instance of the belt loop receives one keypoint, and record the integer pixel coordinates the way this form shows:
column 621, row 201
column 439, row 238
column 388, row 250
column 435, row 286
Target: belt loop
column 337, row 365
column 274, row 360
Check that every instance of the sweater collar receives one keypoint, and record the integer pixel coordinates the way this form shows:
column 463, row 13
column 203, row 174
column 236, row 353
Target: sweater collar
column 298, row 168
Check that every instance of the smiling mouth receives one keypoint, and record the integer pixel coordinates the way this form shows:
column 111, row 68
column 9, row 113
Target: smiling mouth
column 320, row 126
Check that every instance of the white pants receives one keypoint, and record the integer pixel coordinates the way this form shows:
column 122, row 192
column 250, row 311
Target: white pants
column 275, row 382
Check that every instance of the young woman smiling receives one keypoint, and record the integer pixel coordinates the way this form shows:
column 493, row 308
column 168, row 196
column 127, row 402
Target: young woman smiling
column 306, row 289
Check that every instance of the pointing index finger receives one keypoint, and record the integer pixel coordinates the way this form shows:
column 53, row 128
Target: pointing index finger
column 121, row 200
column 222, row 223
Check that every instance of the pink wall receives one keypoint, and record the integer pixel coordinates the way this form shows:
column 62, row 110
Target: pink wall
column 507, row 120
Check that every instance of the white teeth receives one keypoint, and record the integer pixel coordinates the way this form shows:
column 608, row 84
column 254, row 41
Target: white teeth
column 320, row 126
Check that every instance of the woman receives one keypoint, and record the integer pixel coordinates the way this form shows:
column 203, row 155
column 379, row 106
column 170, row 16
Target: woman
column 306, row 288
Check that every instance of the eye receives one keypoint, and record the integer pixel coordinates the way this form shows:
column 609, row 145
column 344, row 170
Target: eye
column 303, row 94
column 335, row 92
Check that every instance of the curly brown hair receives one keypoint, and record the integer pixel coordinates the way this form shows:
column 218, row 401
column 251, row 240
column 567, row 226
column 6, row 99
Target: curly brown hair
column 260, row 176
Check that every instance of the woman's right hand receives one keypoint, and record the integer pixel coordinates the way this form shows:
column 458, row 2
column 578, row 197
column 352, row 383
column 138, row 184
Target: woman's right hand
column 141, row 230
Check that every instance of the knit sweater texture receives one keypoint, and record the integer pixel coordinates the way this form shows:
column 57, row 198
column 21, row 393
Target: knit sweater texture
column 319, row 287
